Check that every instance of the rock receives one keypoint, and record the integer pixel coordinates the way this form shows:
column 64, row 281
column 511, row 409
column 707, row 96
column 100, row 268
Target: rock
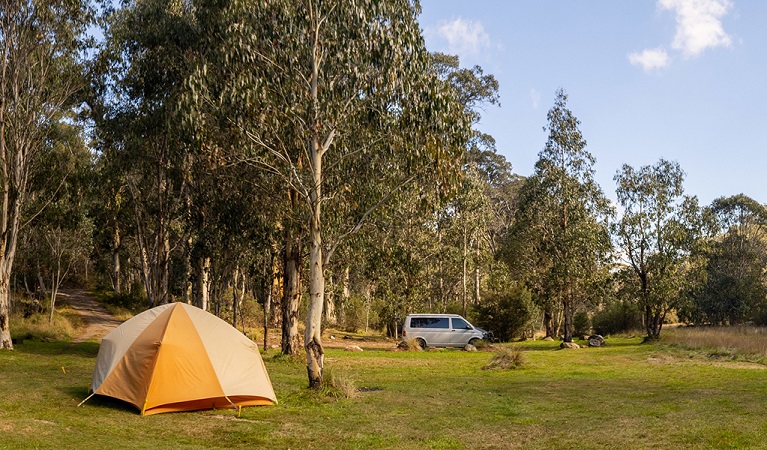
column 596, row 341
column 353, row 348
column 332, row 337
column 585, row 338
column 469, row 348
column 548, row 338
column 274, row 346
column 569, row 345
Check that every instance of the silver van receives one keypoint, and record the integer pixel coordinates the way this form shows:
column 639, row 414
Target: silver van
column 441, row 330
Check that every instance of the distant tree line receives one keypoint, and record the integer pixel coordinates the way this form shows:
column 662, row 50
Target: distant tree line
column 283, row 161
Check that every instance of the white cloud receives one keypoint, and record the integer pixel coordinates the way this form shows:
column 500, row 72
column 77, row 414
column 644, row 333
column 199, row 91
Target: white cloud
column 651, row 59
column 698, row 24
column 464, row 37
column 535, row 98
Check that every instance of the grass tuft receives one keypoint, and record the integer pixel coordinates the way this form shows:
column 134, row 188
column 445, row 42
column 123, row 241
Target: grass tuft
column 411, row 345
column 338, row 385
column 507, row 358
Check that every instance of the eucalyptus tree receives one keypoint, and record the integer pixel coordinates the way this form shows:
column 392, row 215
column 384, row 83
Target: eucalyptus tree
column 150, row 47
column 307, row 75
column 42, row 50
column 561, row 229
column 656, row 233
column 734, row 288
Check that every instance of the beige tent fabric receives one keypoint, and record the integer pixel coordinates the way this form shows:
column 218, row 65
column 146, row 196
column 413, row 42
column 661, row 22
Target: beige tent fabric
column 178, row 357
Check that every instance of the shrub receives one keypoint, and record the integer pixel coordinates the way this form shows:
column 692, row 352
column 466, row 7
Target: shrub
column 507, row 358
column 618, row 317
column 581, row 323
column 336, row 385
column 506, row 314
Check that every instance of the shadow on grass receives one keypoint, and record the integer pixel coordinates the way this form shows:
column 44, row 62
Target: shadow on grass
column 97, row 401
column 84, row 349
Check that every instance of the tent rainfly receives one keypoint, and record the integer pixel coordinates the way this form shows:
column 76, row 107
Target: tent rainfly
column 177, row 357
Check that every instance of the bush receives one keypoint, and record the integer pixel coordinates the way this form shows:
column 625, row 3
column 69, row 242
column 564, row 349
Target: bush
column 618, row 317
column 581, row 323
column 506, row 314
column 337, row 385
column 507, row 358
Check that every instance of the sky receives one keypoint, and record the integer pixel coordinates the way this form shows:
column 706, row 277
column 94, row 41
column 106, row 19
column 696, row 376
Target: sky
column 683, row 80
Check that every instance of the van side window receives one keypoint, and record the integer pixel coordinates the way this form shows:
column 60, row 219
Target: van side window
column 460, row 324
column 429, row 322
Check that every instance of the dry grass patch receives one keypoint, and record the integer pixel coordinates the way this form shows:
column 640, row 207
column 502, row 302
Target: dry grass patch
column 507, row 358
column 66, row 325
column 338, row 385
column 722, row 342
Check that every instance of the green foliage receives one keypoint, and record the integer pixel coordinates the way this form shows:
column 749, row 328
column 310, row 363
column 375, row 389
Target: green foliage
column 507, row 314
column 581, row 323
column 658, row 231
column 616, row 318
column 560, row 242
column 732, row 290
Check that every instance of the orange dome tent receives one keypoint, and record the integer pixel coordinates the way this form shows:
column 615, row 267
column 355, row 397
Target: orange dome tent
column 177, row 357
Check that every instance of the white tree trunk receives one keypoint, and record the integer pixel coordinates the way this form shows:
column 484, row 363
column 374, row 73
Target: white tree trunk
column 5, row 312
column 315, row 353
column 203, row 291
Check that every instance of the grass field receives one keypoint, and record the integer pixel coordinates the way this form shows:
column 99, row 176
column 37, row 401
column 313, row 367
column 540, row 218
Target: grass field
column 625, row 395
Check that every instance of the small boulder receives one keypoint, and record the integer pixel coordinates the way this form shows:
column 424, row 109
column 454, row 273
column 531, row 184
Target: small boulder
column 332, row 337
column 469, row 348
column 548, row 338
column 569, row 345
column 596, row 341
column 353, row 348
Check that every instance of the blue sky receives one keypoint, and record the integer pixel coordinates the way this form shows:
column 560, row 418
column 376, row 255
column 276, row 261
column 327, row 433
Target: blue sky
column 684, row 80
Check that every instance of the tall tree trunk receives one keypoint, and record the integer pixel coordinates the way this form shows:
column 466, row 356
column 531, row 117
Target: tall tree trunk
column 267, row 290
column 464, row 257
column 315, row 353
column 236, row 296
column 5, row 311
column 345, row 296
column 116, row 260
column 330, row 305
column 203, row 283
column 568, row 308
column 188, row 288
column 548, row 322
column 291, row 292
column 476, row 275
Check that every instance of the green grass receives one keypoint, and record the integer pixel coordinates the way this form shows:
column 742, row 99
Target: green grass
column 625, row 395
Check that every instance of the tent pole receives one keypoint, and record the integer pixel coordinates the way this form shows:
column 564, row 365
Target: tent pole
column 86, row 399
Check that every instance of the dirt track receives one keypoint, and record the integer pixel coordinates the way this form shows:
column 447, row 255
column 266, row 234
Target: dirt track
column 98, row 320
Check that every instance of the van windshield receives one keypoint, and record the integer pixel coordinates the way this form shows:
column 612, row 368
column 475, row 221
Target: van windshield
column 460, row 324
column 429, row 322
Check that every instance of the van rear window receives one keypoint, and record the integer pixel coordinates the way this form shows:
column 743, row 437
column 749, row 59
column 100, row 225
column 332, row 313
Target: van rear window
column 429, row 322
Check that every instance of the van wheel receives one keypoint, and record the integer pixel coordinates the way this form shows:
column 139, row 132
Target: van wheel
column 474, row 341
column 421, row 343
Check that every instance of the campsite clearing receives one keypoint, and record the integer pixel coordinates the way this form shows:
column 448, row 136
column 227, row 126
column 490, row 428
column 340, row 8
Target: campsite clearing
column 625, row 395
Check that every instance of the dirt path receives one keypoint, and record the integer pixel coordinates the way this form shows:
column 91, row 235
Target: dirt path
column 98, row 321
